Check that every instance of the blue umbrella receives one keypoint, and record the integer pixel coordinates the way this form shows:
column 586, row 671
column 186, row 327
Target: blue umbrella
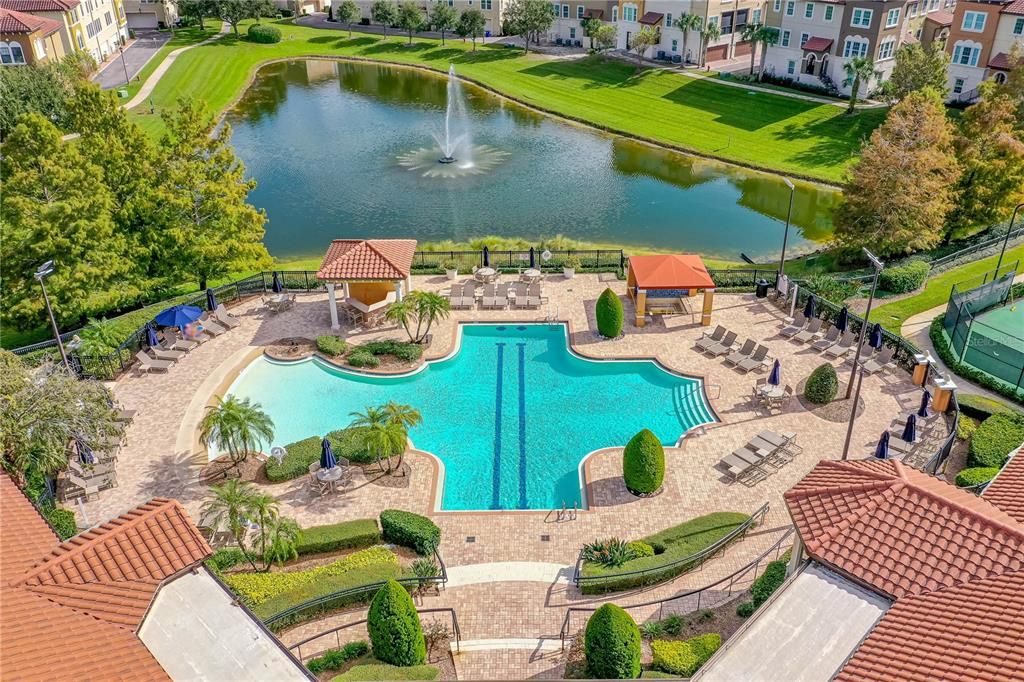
column 327, row 458
column 910, row 430
column 178, row 316
column 882, row 449
column 925, row 397
column 277, row 287
column 487, row 257
column 775, row 378
column 533, row 258
column 211, row 301
column 875, row 340
column 85, row 453
column 843, row 320
column 810, row 309
column 151, row 336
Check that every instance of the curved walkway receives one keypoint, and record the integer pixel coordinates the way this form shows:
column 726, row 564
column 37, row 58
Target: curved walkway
column 161, row 69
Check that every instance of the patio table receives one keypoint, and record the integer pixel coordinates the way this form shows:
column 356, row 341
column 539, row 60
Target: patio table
column 330, row 476
column 530, row 275
column 770, row 391
column 486, row 275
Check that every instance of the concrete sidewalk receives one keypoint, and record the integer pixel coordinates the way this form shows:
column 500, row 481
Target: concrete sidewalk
column 136, row 56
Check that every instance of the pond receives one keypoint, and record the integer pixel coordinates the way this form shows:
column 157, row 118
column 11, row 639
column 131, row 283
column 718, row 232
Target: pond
column 330, row 144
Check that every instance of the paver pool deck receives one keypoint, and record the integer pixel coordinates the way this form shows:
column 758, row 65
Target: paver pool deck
column 501, row 601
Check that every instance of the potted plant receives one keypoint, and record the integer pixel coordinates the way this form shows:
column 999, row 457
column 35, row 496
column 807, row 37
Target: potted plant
column 570, row 265
column 451, row 268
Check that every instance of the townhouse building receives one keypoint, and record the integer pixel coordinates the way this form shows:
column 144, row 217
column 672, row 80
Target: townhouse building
column 491, row 9
column 569, row 16
column 150, row 14
column 95, row 26
column 981, row 44
column 27, row 39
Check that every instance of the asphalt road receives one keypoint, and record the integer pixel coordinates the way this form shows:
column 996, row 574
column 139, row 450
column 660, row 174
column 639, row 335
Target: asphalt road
column 147, row 44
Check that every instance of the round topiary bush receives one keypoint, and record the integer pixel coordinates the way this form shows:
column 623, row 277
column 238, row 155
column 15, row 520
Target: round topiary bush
column 394, row 627
column 975, row 476
column 263, row 33
column 643, row 463
column 822, row 385
column 745, row 610
column 900, row 279
column 611, row 644
column 995, row 439
column 609, row 314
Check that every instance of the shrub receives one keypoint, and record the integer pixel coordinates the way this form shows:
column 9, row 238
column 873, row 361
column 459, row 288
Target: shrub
column 965, row 427
column 609, row 314
column 643, row 463
column 612, row 644
column 832, row 289
column 361, row 358
column 402, row 350
column 345, row 443
column 673, row 624
column 225, row 558
column 905, row 277
column 997, row 436
column 975, row 476
column 62, row 521
column 333, row 659
column 394, row 627
column 822, row 385
column 684, row 658
column 425, row 568
column 640, row 548
column 379, row 672
column 331, row 345
column 611, row 552
column 769, row 581
column 337, row 536
column 652, row 629
column 264, row 33
column 410, row 530
column 449, row 264
column 572, row 262
column 746, row 609
column 979, row 407
column 705, row 645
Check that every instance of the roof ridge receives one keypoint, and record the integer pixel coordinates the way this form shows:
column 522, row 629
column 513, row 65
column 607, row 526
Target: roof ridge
column 370, row 245
column 973, row 513
column 886, row 491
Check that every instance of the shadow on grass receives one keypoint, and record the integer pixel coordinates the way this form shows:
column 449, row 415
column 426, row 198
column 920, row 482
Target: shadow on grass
column 743, row 110
column 592, row 72
column 442, row 54
column 836, row 139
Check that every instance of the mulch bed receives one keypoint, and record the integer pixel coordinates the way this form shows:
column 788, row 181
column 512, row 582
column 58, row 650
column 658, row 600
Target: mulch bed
column 295, row 348
column 222, row 468
column 399, row 477
column 837, row 411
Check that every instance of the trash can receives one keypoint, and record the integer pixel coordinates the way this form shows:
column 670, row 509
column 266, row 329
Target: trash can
column 761, row 288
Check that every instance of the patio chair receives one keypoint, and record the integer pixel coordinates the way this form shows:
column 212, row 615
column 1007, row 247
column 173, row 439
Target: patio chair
column 497, row 298
column 830, row 339
column 522, row 293
column 843, row 347
column 752, row 457
column 462, row 297
column 708, row 340
column 742, row 354
column 315, row 484
column 176, row 342
column 225, row 318
column 798, row 323
column 881, row 361
column 722, row 347
column 487, row 294
column 742, row 470
column 161, row 353
column 148, row 364
column 756, row 361
column 808, row 333
column 209, row 326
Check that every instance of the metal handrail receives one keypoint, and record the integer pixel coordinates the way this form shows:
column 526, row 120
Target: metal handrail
column 731, row 579
column 297, row 647
column 698, row 557
column 938, row 460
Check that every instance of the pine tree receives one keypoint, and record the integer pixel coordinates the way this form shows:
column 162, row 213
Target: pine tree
column 902, row 188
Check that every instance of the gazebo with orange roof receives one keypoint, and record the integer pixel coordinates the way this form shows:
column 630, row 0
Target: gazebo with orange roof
column 373, row 273
column 668, row 276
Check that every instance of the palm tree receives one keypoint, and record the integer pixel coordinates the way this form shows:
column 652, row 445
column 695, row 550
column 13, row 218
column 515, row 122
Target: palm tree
column 421, row 306
column 381, row 435
column 688, row 22
column 233, row 504
column 858, row 70
column 759, row 34
column 405, row 416
column 264, row 511
column 279, row 537
column 709, row 33
column 236, row 425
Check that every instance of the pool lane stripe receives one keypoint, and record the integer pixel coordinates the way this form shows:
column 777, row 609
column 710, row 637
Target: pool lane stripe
column 496, row 475
column 522, row 426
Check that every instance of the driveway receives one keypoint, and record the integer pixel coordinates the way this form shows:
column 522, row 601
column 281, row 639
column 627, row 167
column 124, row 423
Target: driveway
column 146, row 45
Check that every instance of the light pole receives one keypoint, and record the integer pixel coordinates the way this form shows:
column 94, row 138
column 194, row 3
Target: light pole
column 785, row 235
column 127, row 80
column 44, row 271
column 878, row 265
column 1007, row 240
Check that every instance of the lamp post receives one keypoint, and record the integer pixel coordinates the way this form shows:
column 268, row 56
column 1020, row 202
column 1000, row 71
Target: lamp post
column 878, row 265
column 1007, row 240
column 785, row 235
column 127, row 80
column 44, row 271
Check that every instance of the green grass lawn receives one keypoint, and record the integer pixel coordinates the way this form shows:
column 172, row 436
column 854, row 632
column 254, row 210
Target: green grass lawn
column 182, row 37
column 936, row 290
column 758, row 129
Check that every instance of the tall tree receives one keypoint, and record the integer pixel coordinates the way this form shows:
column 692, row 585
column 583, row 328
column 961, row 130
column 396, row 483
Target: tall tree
column 41, row 89
column 688, row 22
column 990, row 148
column 528, row 18
column 384, row 13
column 590, row 25
column 55, row 206
column 236, row 425
column 759, row 34
column 917, row 67
column 347, row 13
column 443, row 18
column 643, row 39
column 234, row 12
column 419, row 307
column 410, row 17
column 859, row 70
column 902, row 187
column 708, row 34
column 195, row 10
column 203, row 194
column 606, row 36
column 234, row 505
column 1014, row 85
column 471, row 24
column 381, row 435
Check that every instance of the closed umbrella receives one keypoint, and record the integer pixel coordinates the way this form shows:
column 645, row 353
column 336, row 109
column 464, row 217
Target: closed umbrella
column 882, row 449
column 277, row 287
column 925, row 397
column 151, row 339
column 178, row 316
column 875, row 340
column 327, row 458
column 533, row 258
column 910, row 430
column 487, row 257
column 211, row 300
column 843, row 320
column 811, row 308
column 775, row 378
column 85, row 453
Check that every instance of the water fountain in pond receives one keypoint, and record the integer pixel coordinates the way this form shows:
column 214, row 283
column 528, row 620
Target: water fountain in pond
column 455, row 154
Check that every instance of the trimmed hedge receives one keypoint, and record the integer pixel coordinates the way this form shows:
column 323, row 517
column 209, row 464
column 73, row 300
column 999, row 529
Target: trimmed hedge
column 643, row 463
column 361, row 358
column 331, row 345
column 975, row 476
column 640, row 548
column 769, row 581
column 62, row 521
column 684, row 657
column 904, row 278
column 225, row 558
column 611, row 644
column 337, row 536
column 995, row 439
column 938, row 336
column 410, row 530
column 822, row 385
column 394, row 627
column 345, row 443
column 981, row 408
column 401, row 350
column 609, row 314
column 379, row 672
column 332, row 659
column 965, row 427
column 264, row 33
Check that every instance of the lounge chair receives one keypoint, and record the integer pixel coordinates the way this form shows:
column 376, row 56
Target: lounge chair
column 741, row 469
column 708, row 340
column 521, row 292
column 125, row 416
column 498, row 297
column 798, row 323
column 210, row 326
column 177, row 342
column 722, row 347
column 742, row 354
column 148, row 364
column 881, row 361
column 809, row 332
column 752, row 457
column 757, row 360
column 830, row 339
column 225, row 318
column 462, row 296
column 843, row 347
column 162, row 353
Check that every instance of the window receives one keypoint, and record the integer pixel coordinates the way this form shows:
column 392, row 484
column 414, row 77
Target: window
column 829, row 12
column 675, row 46
column 777, row 6
column 933, row 5
column 784, row 41
column 713, row 20
column 615, row 12
column 791, row 67
column 572, row 32
column 974, row 22
column 756, row 18
column 556, row 9
column 886, row 49
column 855, row 47
column 861, row 17
column 726, row 23
column 966, row 53
column 81, row 43
column 912, row 10
column 804, row 37
column 629, row 12
column 109, row 19
column 809, row 10
column 790, row 7
column 565, row 11
column 892, row 17
column 40, row 48
column 958, row 86
column 579, row 11
column 485, row 4
column 741, row 19
column 1000, row 78
column 668, row 20
column 1018, row 26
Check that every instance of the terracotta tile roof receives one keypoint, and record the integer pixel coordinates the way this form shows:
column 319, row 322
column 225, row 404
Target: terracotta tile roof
column 40, row 5
column 815, row 44
column 1001, row 61
column 670, row 272
column 19, row 22
column 368, row 259
column 1006, row 491
column 942, row 18
column 26, row 536
column 652, row 18
column 1015, row 7
column 594, row 13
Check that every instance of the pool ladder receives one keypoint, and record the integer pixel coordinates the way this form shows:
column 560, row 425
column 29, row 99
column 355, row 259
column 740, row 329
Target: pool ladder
column 565, row 514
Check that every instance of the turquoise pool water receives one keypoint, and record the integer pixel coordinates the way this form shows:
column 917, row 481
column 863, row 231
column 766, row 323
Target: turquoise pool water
column 511, row 414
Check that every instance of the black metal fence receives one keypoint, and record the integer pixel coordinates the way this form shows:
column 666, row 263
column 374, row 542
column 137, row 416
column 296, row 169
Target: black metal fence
column 593, row 260
column 742, row 279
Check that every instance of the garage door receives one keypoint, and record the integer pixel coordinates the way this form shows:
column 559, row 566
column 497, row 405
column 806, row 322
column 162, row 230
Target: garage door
column 137, row 20
column 717, row 53
column 742, row 49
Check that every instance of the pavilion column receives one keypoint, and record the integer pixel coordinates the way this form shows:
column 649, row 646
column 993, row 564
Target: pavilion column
column 641, row 307
column 399, row 287
column 333, row 302
column 709, row 297
column 796, row 557
column 344, row 290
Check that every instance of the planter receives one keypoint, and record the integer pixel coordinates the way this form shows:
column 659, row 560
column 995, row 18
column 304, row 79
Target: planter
column 569, row 272
column 451, row 274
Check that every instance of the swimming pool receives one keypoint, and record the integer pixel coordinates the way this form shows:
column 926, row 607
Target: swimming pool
column 510, row 414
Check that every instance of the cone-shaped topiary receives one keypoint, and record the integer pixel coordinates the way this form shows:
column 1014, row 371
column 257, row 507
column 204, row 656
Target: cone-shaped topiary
column 612, row 644
column 643, row 463
column 609, row 314
column 822, row 385
column 394, row 627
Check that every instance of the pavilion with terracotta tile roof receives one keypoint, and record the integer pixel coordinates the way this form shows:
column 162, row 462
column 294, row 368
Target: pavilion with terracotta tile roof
column 668, row 276
column 373, row 272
